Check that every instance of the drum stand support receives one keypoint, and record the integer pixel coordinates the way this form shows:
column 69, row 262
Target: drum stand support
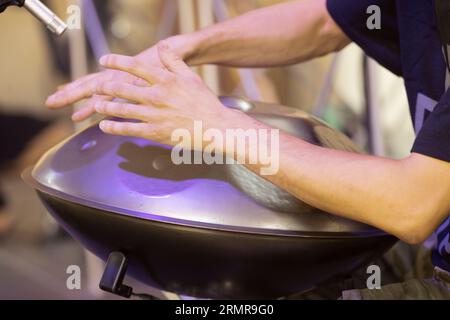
column 112, row 278
column 114, row 274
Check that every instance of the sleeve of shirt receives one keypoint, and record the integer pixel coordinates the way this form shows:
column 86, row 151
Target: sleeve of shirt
column 433, row 140
column 380, row 44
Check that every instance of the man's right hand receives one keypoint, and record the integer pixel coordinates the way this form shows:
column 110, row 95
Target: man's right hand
column 85, row 87
column 277, row 35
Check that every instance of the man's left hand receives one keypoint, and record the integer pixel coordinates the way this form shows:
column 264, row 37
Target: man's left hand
column 174, row 98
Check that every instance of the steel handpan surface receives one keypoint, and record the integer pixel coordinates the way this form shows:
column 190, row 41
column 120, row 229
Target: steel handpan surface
column 137, row 177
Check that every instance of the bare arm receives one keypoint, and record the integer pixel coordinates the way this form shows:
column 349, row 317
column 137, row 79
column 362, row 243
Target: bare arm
column 283, row 34
column 278, row 35
column 408, row 198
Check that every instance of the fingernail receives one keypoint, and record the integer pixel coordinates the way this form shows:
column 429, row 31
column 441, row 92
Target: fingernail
column 50, row 100
column 103, row 125
column 75, row 117
column 103, row 60
column 98, row 106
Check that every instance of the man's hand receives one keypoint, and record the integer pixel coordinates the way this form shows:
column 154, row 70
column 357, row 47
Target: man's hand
column 85, row 87
column 174, row 98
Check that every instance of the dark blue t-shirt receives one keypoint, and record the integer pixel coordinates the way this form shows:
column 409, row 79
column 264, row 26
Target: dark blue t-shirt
column 408, row 44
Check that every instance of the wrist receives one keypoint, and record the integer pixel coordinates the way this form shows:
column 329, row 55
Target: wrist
column 236, row 127
column 188, row 46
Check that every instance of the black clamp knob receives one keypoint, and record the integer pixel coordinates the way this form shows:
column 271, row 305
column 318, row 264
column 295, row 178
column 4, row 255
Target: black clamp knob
column 112, row 279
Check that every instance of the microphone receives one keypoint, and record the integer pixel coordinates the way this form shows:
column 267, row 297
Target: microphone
column 40, row 11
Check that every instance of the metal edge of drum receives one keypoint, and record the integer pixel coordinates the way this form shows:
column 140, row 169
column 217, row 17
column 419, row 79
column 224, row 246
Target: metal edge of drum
column 29, row 179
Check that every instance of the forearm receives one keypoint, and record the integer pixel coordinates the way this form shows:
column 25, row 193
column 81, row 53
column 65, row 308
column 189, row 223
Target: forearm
column 354, row 186
column 397, row 196
column 278, row 35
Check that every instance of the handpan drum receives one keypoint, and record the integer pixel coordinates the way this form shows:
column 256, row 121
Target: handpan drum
column 208, row 231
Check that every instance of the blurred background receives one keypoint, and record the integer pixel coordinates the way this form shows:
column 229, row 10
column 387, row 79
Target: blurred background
column 347, row 90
